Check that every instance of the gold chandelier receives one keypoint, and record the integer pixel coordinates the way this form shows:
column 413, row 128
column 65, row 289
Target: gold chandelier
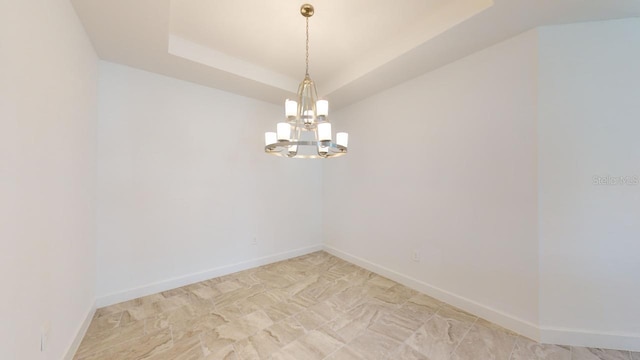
column 306, row 131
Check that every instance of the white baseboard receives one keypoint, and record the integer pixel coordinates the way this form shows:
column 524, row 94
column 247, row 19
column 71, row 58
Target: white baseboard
column 80, row 333
column 573, row 337
column 179, row 281
column 513, row 323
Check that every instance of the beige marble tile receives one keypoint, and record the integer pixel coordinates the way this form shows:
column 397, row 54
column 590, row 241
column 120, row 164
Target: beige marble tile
column 255, row 347
column 205, row 292
column 406, row 352
column 117, row 308
column 183, row 348
column 187, row 347
column 145, row 347
column 174, row 316
column 231, row 297
column 318, row 291
column 214, row 344
column 270, row 340
column 582, row 353
column 99, row 342
column 244, row 327
column 372, row 346
column 441, row 334
column 285, row 331
column 283, row 310
column 340, row 271
column 227, row 286
column 396, row 323
column 345, row 353
column 397, row 294
column 225, row 353
column 317, row 315
column 425, row 303
column 345, row 328
column 174, row 292
column 312, row 307
column 356, row 296
column 381, row 282
column 485, row 341
column 526, row 349
column 302, row 284
column 229, row 312
column 314, row 345
column 105, row 322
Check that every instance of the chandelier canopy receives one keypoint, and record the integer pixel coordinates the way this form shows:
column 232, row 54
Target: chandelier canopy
column 306, row 131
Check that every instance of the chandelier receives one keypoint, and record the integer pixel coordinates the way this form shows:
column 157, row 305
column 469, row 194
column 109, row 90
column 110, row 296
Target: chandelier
column 306, row 131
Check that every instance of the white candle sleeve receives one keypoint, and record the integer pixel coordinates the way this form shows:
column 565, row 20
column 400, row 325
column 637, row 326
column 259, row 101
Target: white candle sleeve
column 324, row 132
column 342, row 139
column 270, row 138
column 284, row 131
column 322, row 108
column 290, row 108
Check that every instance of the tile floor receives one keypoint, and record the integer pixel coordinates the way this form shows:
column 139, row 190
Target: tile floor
column 312, row 307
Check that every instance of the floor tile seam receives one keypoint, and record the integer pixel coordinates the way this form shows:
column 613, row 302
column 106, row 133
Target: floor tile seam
column 201, row 344
column 406, row 342
column 236, row 351
column 335, row 351
column 112, row 346
column 387, row 336
column 302, row 326
column 513, row 348
column 463, row 337
column 120, row 318
column 570, row 352
column 324, row 323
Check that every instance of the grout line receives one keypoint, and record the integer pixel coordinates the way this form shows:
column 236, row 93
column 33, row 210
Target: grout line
column 120, row 318
column 201, row 343
column 464, row 336
column 513, row 348
column 335, row 351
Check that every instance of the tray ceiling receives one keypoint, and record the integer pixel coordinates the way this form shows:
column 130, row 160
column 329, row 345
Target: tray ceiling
column 358, row 47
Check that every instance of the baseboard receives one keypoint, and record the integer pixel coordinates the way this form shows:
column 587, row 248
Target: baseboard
column 179, row 281
column 574, row 337
column 507, row 321
column 80, row 333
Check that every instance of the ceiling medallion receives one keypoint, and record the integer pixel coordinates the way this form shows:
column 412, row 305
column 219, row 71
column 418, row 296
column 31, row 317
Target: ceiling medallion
column 306, row 131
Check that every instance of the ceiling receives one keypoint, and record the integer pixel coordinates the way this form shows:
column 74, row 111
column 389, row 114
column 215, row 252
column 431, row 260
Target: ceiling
column 256, row 48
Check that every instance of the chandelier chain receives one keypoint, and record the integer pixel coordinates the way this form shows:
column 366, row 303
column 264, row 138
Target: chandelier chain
column 307, row 57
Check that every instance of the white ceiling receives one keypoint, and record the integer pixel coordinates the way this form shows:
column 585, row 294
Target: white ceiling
column 358, row 47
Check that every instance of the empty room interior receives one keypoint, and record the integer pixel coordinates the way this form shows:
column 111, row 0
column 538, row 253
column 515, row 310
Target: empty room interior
column 240, row 180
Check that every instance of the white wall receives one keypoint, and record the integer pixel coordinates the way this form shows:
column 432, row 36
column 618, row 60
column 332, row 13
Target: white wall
column 184, row 185
column 48, row 115
column 589, row 126
column 445, row 164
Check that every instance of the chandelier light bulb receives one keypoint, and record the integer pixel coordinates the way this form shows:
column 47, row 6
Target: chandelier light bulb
column 308, row 117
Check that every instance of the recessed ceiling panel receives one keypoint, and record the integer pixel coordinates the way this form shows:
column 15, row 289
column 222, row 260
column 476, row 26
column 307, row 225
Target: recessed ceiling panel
column 256, row 47
column 265, row 40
